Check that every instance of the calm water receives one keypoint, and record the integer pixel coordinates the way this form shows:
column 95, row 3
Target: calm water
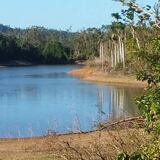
column 36, row 99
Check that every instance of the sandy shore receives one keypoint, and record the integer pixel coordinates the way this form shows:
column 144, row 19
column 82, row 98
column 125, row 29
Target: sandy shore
column 93, row 75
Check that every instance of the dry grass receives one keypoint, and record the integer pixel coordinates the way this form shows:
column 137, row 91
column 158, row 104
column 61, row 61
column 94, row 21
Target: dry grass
column 94, row 75
column 103, row 145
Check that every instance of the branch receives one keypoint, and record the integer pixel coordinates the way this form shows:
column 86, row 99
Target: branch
column 141, row 119
column 135, row 6
column 140, row 10
column 74, row 149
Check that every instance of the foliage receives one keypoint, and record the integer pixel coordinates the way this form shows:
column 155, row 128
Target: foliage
column 150, row 151
column 149, row 71
column 55, row 52
column 134, row 156
column 149, row 103
column 34, row 45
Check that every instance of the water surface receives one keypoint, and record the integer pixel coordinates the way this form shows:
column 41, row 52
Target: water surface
column 34, row 100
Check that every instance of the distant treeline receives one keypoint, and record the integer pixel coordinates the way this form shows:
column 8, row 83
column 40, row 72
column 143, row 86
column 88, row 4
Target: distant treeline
column 110, row 47
column 36, row 45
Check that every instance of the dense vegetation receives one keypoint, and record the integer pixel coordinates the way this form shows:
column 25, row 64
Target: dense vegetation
column 36, row 45
column 111, row 47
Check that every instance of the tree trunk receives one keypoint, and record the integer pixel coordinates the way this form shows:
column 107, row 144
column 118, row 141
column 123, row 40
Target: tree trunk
column 102, row 56
column 115, row 54
column 136, row 38
column 112, row 57
column 123, row 55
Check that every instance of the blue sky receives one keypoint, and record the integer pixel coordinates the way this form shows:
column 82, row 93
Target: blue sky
column 59, row 14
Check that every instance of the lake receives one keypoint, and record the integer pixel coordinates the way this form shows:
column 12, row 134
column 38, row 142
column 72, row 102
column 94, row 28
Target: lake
column 38, row 99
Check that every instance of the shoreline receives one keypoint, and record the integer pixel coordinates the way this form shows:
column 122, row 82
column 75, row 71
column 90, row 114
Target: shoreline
column 93, row 75
column 15, row 63
column 109, row 126
column 49, row 147
column 28, row 64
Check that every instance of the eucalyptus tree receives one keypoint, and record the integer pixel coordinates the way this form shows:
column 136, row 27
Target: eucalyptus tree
column 138, row 21
column 101, row 48
column 86, row 44
column 118, row 38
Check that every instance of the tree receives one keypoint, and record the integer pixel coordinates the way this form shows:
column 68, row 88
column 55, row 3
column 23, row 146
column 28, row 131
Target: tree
column 55, row 52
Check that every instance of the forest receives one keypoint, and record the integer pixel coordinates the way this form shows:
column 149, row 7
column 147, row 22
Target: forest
column 111, row 47
column 36, row 45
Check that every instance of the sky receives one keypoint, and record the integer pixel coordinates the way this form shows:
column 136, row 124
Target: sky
column 59, row 14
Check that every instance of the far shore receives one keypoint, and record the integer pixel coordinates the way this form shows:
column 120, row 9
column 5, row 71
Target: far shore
column 93, row 75
column 15, row 63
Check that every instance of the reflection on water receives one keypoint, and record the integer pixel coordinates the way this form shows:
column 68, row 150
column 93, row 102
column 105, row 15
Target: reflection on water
column 36, row 99
column 116, row 102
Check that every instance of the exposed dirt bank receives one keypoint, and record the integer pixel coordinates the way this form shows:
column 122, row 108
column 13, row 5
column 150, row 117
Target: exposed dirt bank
column 58, row 147
column 54, row 147
column 93, row 75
